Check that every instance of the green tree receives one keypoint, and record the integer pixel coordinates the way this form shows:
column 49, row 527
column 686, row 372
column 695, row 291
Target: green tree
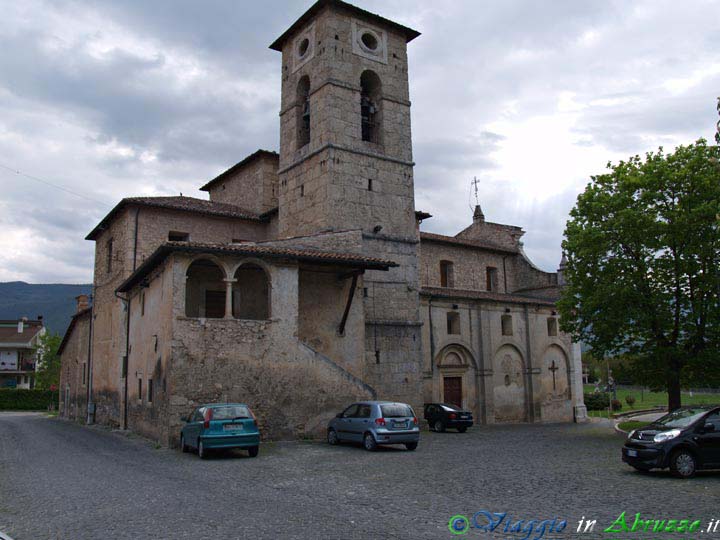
column 643, row 249
column 48, row 374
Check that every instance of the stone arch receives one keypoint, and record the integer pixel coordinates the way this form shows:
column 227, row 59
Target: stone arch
column 461, row 350
column 251, row 291
column 371, row 107
column 509, row 385
column 209, row 256
column 555, row 374
column 454, row 378
column 205, row 288
column 302, row 110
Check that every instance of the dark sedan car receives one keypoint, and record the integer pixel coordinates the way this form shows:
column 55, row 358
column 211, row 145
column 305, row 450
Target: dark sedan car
column 441, row 416
column 685, row 440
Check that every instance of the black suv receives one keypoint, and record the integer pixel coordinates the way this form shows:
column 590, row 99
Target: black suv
column 442, row 415
column 685, row 440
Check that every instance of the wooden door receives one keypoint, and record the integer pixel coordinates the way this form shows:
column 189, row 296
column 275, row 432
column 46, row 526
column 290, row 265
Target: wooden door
column 452, row 390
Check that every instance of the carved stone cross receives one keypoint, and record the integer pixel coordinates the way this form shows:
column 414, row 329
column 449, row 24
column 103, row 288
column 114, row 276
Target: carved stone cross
column 553, row 368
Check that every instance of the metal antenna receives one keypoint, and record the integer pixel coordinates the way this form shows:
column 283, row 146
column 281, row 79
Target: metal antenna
column 717, row 134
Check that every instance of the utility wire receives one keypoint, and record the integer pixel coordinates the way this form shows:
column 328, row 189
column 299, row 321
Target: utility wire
column 66, row 190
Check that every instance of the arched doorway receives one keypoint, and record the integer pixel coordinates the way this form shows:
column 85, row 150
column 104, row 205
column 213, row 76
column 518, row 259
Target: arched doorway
column 455, row 381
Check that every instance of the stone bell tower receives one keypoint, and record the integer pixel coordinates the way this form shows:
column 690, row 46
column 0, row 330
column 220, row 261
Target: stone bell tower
column 346, row 164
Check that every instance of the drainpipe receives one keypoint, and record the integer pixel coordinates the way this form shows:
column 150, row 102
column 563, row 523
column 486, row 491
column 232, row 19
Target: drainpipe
column 126, row 357
column 505, row 273
column 90, row 419
column 528, row 345
column 432, row 337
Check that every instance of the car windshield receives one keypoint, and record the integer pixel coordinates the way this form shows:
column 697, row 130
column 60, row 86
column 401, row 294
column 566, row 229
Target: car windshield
column 451, row 408
column 680, row 418
column 396, row 410
column 230, row 411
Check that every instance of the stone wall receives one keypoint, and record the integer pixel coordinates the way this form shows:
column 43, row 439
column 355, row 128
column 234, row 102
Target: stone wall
column 506, row 378
column 253, row 186
column 74, row 359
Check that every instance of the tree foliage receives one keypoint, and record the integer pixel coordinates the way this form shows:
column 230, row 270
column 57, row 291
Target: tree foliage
column 643, row 249
column 48, row 372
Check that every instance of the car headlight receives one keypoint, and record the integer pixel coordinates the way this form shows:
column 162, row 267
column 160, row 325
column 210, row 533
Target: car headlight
column 630, row 435
column 667, row 435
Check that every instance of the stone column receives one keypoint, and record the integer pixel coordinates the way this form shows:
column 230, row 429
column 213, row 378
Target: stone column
column 229, row 297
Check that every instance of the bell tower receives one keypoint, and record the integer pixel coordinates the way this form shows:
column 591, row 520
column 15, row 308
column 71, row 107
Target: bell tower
column 346, row 164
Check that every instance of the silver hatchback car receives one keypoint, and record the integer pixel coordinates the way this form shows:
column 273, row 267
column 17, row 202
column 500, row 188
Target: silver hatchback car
column 376, row 422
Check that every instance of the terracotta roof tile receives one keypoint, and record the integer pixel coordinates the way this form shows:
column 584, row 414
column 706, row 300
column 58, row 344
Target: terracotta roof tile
column 484, row 295
column 262, row 251
column 184, row 204
column 9, row 333
column 442, row 239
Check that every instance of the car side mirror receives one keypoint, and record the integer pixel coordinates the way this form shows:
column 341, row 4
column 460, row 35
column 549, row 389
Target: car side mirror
column 185, row 418
column 709, row 426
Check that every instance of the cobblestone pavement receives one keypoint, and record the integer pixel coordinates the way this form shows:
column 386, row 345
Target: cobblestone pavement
column 60, row 480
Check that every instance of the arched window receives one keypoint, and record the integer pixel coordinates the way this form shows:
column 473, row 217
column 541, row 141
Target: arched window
column 370, row 106
column 303, row 111
column 205, row 290
column 251, row 293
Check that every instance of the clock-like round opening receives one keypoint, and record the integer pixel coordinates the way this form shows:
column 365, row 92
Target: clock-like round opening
column 303, row 47
column 369, row 40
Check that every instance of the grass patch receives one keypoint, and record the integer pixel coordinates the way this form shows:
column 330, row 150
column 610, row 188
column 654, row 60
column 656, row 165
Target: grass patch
column 630, row 425
column 648, row 400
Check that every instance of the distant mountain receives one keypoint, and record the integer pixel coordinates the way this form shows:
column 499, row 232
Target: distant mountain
column 55, row 302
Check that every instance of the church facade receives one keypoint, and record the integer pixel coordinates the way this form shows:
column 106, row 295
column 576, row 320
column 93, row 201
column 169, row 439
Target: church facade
column 304, row 282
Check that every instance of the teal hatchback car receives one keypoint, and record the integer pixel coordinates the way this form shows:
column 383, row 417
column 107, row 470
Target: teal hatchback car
column 220, row 426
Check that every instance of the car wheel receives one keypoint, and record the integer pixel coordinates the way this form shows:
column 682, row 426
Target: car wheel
column 682, row 464
column 332, row 437
column 369, row 442
column 439, row 426
column 253, row 451
column 202, row 451
column 184, row 447
column 462, row 429
column 411, row 445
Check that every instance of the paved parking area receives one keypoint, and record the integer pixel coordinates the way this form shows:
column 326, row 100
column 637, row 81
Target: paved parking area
column 60, row 480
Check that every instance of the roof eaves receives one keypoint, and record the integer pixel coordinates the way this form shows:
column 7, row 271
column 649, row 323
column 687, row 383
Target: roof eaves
column 409, row 33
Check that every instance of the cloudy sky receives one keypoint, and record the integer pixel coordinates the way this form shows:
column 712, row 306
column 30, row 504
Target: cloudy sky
column 108, row 99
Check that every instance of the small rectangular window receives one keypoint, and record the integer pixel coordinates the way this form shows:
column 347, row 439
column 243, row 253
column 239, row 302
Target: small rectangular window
column 142, row 304
column 552, row 326
column 365, row 292
column 453, row 323
column 507, row 325
column 176, row 236
column 446, row 274
column 302, row 190
column 84, row 373
column 150, row 390
column 370, row 184
column 140, row 394
column 109, row 255
column 491, row 274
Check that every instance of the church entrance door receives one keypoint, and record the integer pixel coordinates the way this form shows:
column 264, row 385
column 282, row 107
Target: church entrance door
column 452, row 390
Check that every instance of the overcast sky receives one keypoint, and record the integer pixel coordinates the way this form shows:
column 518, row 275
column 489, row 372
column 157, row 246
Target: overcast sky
column 136, row 97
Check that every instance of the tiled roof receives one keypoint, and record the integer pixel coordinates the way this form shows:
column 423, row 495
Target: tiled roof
column 184, row 204
column 484, row 295
column 409, row 33
column 261, row 251
column 252, row 157
column 70, row 329
column 451, row 240
column 9, row 331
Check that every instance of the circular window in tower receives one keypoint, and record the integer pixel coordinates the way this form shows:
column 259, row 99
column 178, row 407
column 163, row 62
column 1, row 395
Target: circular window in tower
column 303, row 47
column 370, row 41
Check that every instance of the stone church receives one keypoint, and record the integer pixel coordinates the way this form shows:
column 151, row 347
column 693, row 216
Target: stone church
column 304, row 283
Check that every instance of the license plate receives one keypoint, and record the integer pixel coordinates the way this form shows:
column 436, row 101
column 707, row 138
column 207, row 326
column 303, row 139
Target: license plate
column 233, row 427
column 632, row 453
column 400, row 424
column 465, row 417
